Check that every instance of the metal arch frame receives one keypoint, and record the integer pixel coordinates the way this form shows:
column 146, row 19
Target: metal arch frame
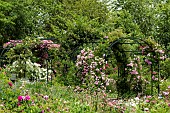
column 48, row 60
column 144, row 42
column 117, row 41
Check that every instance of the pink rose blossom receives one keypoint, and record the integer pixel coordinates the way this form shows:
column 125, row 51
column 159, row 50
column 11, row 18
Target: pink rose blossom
column 20, row 98
column 27, row 97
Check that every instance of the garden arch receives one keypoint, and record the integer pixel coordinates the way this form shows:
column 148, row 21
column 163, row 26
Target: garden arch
column 142, row 48
column 48, row 59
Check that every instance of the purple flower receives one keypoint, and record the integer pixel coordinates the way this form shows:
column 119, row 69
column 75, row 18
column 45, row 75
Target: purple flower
column 168, row 87
column 27, row 97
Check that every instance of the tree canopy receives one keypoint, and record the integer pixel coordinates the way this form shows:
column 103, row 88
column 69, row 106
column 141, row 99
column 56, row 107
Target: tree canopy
column 76, row 21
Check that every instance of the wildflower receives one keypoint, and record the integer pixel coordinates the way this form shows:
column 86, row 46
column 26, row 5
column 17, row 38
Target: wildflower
column 27, row 97
column 20, row 98
column 10, row 84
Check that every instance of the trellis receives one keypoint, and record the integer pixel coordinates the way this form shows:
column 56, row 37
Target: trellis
column 49, row 61
column 121, row 63
column 122, row 41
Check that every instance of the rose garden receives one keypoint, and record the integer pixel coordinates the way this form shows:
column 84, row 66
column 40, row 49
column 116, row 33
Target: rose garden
column 77, row 61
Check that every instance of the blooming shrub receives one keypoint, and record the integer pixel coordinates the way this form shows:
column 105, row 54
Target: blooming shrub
column 28, row 57
column 32, row 70
column 92, row 70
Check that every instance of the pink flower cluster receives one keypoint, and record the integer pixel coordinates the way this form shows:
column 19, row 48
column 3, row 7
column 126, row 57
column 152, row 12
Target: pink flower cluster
column 49, row 44
column 93, row 66
column 12, row 43
column 22, row 98
column 134, row 72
